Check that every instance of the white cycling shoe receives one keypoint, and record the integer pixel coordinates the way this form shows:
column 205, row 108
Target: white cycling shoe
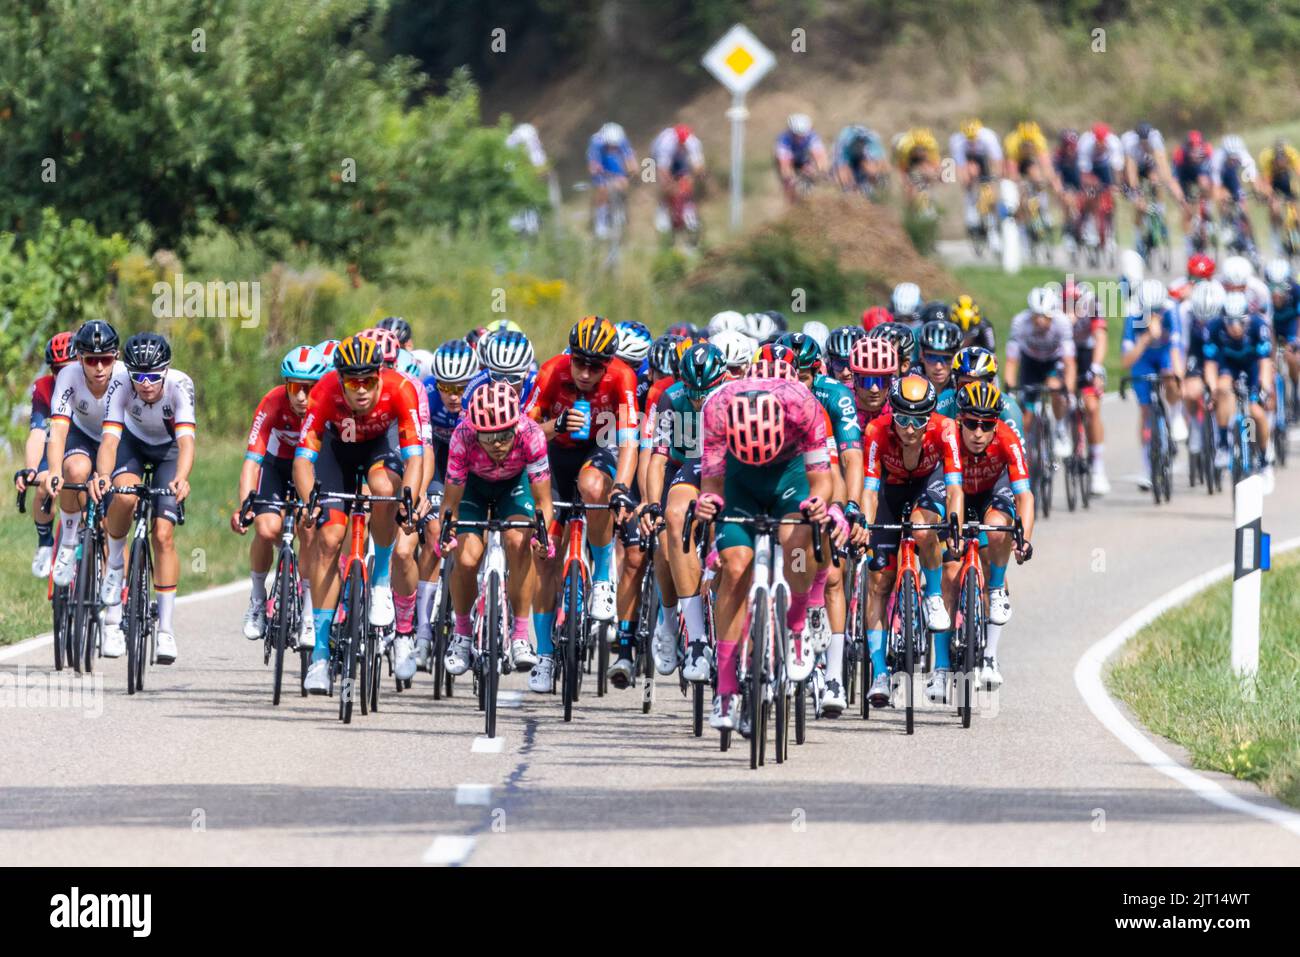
column 999, row 606
column 726, row 712
column 800, row 659
column 404, row 657
column 542, row 678
column 620, row 673
column 990, row 677
column 1061, row 446
column 665, row 648
column 307, row 634
column 936, row 689
column 879, row 693
column 113, row 643
column 1178, row 428
column 110, row 589
column 423, row 652
column 381, row 606
column 699, row 662
column 818, row 630
column 41, row 562
column 458, row 654
column 522, row 655
column 318, row 677
column 65, row 566
column 936, row 613
column 255, row 618
column 165, row 649
column 1100, row 483
column 834, row 701
column 602, row 601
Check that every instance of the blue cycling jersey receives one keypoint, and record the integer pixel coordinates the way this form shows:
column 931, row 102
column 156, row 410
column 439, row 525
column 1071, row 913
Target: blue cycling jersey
column 798, row 149
column 1171, row 338
column 1237, row 354
column 1285, row 315
column 483, row 376
column 614, row 160
column 442, row 421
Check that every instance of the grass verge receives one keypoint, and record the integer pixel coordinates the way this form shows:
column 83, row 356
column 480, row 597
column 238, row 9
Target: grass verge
column 1175, row 676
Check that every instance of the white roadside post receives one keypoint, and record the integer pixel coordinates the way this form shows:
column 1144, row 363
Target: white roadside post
column 738, row 61
column 1250, row 561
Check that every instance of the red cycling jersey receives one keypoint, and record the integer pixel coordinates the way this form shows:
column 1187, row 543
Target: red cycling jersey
column 613, row 401
column 275, row 427
column 1004, row 454
column 939, row 443
column 42, row 401
column 328, row 409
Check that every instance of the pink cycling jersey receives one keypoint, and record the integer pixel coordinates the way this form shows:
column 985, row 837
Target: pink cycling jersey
column 467, row 457
column 805, row 424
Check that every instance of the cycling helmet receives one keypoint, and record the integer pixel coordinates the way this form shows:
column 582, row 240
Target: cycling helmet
column 398, row 327
column 146, row 352
column 304, row 364
column 454, row 361
column 358, row 356
column 663, row 354
column 407, row 364
column 611, row 134
column 725, row 320
column 1277, row 272
column 912, row 395
column 934, row 311
column 806, row 351
column 1151, row 296
column 1232, row 144
column 902, row 337
column 493, row 407
column 504, row 325
column 874, row 356
column 327, row 347
column 387, row 341
column 737, row 348
column 1194, row 138
column 965, row 313
column 905, row 302
column 1100, row 132
column 776, row 350
column 1144, row 131
column 772, row 368
column 474, row 335
column 1207, row 299
column 59, row 350
column 971, row 128
column 817, row 331
column 755, row 427
column 700, row 368
column 687, row 330
column 975, row 362
column 593, row 337
column 1070, row 139
column 634, row 342
column 982, row 399
column 1028, row 130
column 875, row 316
column 1131, row 268
column 1179, row 287
column 683, row 133
column 800, row 124
column 940, row 335
column 777, row 316
column 425, row 358
column 1235, row 306
column 507, row 353
column 95, row 337
column 1042, row 301
column 839, row 345
column 1079, row 299
column 1200, row 266
column 1236, row 271
column 760, row 326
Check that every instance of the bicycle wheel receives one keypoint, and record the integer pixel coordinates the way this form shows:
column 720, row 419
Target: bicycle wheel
column 571, row 637
column 908, row 616
column 754, row 685
column 646, row 620
column 1045, row 462
column 1072, row 479
column 697, row 708
column 780, row 679
column 286, row 590
column 492, row 666
column 137, row 616
column 442, row 680
column 603, row 632
column 800, row 712
column 353, row 636
column 972, row 636
column 59, row 611
column 86, row 613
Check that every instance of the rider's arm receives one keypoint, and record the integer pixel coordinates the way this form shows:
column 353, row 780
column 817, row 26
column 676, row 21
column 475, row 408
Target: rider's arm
column 626, row 417
column 184, row 459
column 1011, row 372
column 873, row 442
column 955, row 497
column 452, row 492
column 1071, row 373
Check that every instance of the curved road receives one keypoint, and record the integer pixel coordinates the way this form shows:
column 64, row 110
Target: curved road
column 200, row 769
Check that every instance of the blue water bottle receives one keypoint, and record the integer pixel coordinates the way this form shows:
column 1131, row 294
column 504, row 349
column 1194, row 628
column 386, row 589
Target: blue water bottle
column 583, row 406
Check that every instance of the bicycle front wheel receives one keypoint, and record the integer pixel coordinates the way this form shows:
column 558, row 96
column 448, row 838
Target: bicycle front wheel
column 353, row 634
column 572, row 634
column 972, row 637
column 492, row 666
column 137, row 617
column 910, row 617
column 286, row 589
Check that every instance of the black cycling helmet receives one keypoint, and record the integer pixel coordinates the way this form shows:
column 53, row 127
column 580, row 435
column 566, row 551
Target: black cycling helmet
column 663, row 354
column 700, row 368
column 593, row 337
column 940, row 335
column 146, row 352
column 95, row 337
column 981, row 399
column 355, row 356
column 839, row 344
column 779, row 318
column 933, row 311
column 806, row 351
column 912, row 395
column 398, row 327
column 902, row 337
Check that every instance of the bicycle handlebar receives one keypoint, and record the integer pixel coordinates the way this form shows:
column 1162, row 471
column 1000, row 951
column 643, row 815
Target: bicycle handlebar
column 763, row 523
column 142, row 489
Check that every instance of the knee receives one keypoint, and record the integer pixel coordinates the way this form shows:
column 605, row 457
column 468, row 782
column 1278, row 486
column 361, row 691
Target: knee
column 735, row 563
column 592, row 485
column 162, row 535
column 267, row 528
column 329, row 539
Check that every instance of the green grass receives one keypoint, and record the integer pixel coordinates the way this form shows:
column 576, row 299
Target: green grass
column 211, row 554
column 1176, row 677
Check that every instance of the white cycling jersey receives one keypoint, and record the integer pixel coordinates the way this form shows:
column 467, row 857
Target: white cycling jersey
column 1220, row 157
column 1133, row 146
column 74, row 401
column 153, row 423
column 1091, row 155
column 1041, row 345
column 665, row 148
column 986, row 144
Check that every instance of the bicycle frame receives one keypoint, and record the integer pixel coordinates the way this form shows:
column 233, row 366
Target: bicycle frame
column 572, row 628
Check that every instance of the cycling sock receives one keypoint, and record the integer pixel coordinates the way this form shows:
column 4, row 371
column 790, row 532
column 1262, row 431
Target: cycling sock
column 835, row 656
column 404, row 606
column 383, row 564
column 794, row 618
column 817, row 593
column 544, row 624
column 940, row 639
column 933, row 581
column 1098, row 455
column 1146, row 459
column 423, row 603
column 625, row 638
column 113, row 614
column 876, row 645
column 306, row 600
column 670, row 615
column 69, row 523
column 323, row 617
column 462, row 624
column 166, row 595
column 728, row 681
column 692, row 609
column 259, row 585
column 602, row 562
column 991, row 635
column 116, row 552
column 997, row 576
column 45, row 534
column 519, row 628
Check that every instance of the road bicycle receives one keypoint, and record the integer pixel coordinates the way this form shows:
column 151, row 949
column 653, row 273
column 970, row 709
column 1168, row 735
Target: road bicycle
column 647, row 613
column 1282, row 407
column 574, row 625
column 986, row 234
column 1156, row 434
column 1245, row 452
column 78, row 611
column 1035, row 400
column 1098, row 227
column 1153, row 231
column 284, row 620
column 67, row 649
column 1290, row 232
column 693, row 536
column 1078, row 464
column 1203, row 231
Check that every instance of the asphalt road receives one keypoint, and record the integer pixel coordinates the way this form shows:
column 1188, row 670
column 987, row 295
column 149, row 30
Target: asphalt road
column 201, row 769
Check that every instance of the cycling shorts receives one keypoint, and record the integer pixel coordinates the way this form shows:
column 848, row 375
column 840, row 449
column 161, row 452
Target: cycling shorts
column 338, row 464
column 751, row 490
column 1281, row 184
column 1035, row 371
column 893, row 501
column 1105, row 175
column 79, row 443
column 441, row 450
column 1153, row 361
column 274, row 485
column 566, row 463
column 1251, row 372
column 132, row 457
column 506, row 498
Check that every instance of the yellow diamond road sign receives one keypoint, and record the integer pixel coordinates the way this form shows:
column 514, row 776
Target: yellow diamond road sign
column 739, row 60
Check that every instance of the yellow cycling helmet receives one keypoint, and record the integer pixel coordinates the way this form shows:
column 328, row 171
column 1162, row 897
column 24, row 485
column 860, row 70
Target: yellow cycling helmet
column 593, row 337
column 355, row 356
column 971, row 128
column 966, row 313
column 504, row 325
column 1028, row 130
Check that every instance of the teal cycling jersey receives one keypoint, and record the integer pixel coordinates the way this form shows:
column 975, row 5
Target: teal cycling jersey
column 838, row 402
column 947, row 403
column 677, row 431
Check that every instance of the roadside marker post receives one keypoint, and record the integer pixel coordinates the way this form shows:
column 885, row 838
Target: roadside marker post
column 738, row 61
column 1250, row 561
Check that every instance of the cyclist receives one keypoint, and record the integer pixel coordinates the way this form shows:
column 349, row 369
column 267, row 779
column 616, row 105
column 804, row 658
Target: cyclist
column 940, row 338
column 1285, row 294
column 1233, row 172
column 1040, row 352
column 1238, row 275
column 904, row 340
column 995, row 483
column 905, row 304
column 1101, row 167
column 799, row 153
column 916, row 154
column 58, row 353
column 497, row 467
column 679, row 161
column 1240, row 343
column 763, row 452
column 1145, row 161
column 611, row 163
column 904, row 452
column 874, row 316
column 274, row 433
column 977, row 153
column 398, row 327
column 976, row 364
column 1191, row 165
column 526, row 139
column 1152, row 344
column 633, row 349
column 974, row 330
column 860, row 161
column 149, row 421
column 1090, row 345
column 1195, row 313
column 593, row 456
column 1065, row 162
column 503, row 357
column 361, row 418
column 1029, row 161
column 872, row 367
column 737, row 351
column 1279, row 167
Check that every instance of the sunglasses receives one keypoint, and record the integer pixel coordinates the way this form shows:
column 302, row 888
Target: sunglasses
column 979, row 425
column 869, row 382
column 296, row 387
column 148, row 378
column 451, row 388
column 504, row 437
column 104, row 360
column 911, row 421
column 509, row 378
column 360, row 383
column 937, row 357
column 836, row 367
column 589, row 364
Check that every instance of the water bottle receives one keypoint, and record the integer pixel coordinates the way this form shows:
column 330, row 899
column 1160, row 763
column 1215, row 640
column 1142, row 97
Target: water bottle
column 582, row 434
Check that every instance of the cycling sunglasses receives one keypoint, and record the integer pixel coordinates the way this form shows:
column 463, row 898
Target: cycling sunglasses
column 911, row 421
column 148, row 378
column 509, row 378
column 978, row 425
column 358, row 383
column 868, row 382
column 836, row 367
column 297, row 387
column 452, row 388
column 591, row 364
column 503, row 437
column 106, row 359
column 938, row 357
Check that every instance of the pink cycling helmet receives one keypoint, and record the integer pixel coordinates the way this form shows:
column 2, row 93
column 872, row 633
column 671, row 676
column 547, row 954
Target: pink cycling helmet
column 874, row 356
column 493, row 407
column 755, row 427
column 387, row 341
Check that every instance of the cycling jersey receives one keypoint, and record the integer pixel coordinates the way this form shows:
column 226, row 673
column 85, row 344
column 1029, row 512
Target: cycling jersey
column 841, row 411
column 1102, row 160
column 1004, row 455
column 1145, row 159
column 677, row 427
column 74, row 402
column 1157, row 356
column 805, row 425
column 611, row 160
column 798, row 150
column 857, row 143
column 441, row 419
column 985, row 150
column 1237, row 354
column 42, row 401
column 939, row 446
column 946, row 402
column 469, row 458
column 675, row 158
column 426, row 425
column 1285, row 316
column 613, row 402
column 1027, row 340
column 914, row 147
column 275, row 427
column 1085, row 340
column 1189, row 167
column 1170, row 338
column 1279, row 176
column 328, row 413
column 154, row 423
column 982, row 335
column 1066, row 164
column 1232, row 169
column 1025, row 149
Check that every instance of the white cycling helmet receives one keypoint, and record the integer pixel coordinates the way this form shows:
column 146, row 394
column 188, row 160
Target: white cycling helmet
column 760, row 326
column 736, row 347
column 611, row 134
column 1131, row 268
column 455, row 361
column 425, row 359
column 728, row 319
column 1235, row 306
column 800, row 124
column 507, row 353
column 1207, row 299
column 1232, row 143
column 407, row 364
column 1151, row 295
column 817, row 331
column 905, row 302
column 1236, row 271
column 1277, row 272
column 1042, row 301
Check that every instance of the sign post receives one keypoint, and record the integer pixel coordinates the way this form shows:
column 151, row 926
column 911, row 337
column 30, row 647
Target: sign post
column 738, row 61
column 1250, row 561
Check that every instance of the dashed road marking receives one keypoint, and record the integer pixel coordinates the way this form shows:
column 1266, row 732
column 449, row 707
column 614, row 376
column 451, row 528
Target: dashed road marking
column 483, row 745
column 449, row 850
column 477, row 795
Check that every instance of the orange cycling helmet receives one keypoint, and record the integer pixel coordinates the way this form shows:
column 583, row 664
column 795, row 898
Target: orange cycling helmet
column 874, row 356
column 772, row 369
column 755, row 427
column 593, row 337
column 493, row 407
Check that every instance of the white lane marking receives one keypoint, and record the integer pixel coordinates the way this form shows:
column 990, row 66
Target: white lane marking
column 478, row 795
column 510, row 699
column 449, row 850
column 40, row 641
column 1088, row 679
column 484, row 745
